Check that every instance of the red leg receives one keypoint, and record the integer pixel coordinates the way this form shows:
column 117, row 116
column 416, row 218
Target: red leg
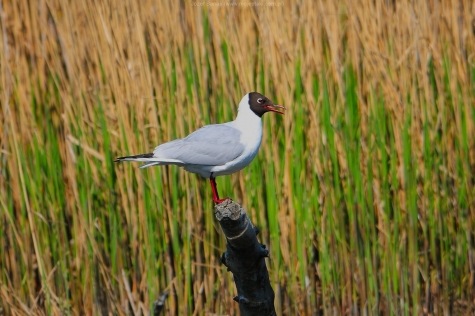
column 216, row 198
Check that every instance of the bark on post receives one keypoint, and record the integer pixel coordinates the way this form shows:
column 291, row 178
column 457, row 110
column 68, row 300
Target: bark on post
column 245, row 258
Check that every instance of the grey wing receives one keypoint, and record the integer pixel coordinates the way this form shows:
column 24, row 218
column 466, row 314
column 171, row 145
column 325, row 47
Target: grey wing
column 211, row 145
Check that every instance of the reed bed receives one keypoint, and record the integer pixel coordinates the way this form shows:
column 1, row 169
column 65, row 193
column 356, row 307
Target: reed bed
column 363, row 191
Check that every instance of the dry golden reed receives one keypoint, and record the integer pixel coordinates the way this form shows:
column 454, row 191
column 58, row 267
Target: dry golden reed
column 364, row 191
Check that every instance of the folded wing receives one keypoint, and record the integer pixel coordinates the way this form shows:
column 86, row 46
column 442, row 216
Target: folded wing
column 212, row 145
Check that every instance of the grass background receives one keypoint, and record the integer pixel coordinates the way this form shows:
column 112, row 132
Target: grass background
column 363, row 191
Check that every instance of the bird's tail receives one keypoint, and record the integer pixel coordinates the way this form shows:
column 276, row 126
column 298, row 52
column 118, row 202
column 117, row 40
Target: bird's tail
column 150, row 160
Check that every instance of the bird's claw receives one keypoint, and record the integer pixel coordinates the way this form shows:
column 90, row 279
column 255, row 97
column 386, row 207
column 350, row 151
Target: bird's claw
column 219, row 201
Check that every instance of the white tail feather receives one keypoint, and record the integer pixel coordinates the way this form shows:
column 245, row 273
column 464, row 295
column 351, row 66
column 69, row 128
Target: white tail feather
column 154, row 161
column 149, row 164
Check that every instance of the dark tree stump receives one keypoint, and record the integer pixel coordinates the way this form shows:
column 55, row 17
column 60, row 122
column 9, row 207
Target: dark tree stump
column 245, row 258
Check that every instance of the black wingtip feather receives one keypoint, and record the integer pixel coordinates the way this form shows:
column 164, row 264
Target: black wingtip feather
column 149, row 155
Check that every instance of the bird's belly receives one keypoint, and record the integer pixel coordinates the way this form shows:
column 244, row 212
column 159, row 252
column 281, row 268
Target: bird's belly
column 239, row 163
column 202, row 170
column 231, row 167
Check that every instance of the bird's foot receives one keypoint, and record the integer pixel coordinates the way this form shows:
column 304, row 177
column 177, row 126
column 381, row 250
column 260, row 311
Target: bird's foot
column 219, row 201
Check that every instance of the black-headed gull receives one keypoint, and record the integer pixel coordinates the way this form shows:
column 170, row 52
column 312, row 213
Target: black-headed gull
column 218, row 149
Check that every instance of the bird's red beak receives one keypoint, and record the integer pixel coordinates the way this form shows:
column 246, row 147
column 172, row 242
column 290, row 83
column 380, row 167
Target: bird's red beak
column 274, row 107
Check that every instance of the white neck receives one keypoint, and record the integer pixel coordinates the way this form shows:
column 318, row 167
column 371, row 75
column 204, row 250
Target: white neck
column 245, row 115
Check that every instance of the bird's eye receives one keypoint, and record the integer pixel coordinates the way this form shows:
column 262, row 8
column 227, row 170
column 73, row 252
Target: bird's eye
column 260, row 100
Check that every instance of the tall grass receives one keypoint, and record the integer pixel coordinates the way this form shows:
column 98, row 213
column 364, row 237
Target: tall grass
column 363, row 191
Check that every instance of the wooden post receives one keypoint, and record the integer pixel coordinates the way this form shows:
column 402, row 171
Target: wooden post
column 245, row 258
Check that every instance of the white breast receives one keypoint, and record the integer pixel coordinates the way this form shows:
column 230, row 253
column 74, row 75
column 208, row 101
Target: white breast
column 250, row 126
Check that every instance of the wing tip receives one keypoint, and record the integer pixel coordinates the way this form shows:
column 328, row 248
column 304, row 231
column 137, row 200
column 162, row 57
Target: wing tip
column 132, row 158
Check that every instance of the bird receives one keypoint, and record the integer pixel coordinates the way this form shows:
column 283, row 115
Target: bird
column 216, row 149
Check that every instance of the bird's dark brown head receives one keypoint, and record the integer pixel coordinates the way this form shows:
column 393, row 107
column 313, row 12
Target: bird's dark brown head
column 259, row 104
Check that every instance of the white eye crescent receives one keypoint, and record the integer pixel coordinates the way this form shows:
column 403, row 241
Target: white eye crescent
column 260, row 100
